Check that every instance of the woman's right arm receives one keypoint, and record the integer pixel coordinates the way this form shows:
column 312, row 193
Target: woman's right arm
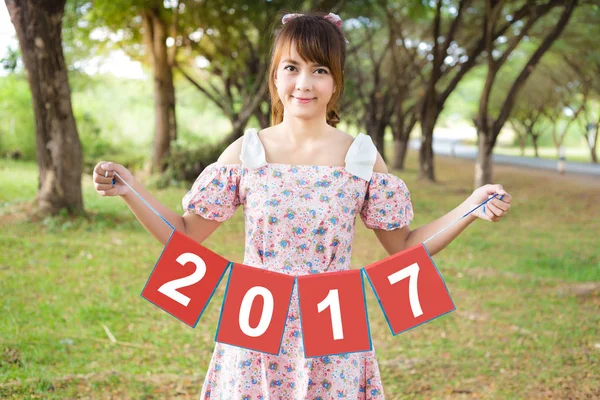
column 192, row 225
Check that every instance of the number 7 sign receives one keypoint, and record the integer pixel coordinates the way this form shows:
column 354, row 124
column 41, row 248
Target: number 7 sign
column 409, row 288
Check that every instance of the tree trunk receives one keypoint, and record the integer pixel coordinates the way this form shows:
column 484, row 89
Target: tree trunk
column 380, row 135
column 165, row 122
column 483, row 167
column 593, row 145
column 400, row 150
column 59, row 156
column 426, row 162
column 401, row 133
column 535, row 138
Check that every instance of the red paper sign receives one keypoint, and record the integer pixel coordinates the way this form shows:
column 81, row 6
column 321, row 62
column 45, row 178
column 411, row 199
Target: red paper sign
column 184, row 278
column 409, row 288
column 333, row 313
column 255, row 309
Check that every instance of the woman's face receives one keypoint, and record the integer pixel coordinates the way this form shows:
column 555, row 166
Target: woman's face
column 304, row 88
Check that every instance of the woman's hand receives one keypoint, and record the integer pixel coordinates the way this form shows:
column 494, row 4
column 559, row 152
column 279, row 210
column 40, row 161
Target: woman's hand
column 494, row 209
column 107, row 183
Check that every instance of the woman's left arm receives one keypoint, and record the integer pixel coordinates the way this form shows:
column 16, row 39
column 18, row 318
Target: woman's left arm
column 399, row 239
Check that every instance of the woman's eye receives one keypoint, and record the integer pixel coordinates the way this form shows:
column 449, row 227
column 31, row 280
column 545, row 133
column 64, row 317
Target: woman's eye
column 288, row 66
column 322, row 69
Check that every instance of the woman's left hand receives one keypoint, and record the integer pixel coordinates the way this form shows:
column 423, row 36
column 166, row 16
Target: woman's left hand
column 494, row 209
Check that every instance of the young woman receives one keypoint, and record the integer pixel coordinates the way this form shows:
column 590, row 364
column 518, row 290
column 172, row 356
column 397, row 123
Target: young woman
column 302, row 183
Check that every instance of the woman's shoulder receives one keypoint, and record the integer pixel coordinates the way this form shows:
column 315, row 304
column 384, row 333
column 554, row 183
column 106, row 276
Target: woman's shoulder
column 231, row 155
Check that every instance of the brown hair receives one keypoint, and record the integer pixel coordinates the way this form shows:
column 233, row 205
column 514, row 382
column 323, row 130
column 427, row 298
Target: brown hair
column 317, row 40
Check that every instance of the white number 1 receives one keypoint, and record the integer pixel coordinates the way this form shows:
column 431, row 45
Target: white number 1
column 411, row 271
column 333, row 301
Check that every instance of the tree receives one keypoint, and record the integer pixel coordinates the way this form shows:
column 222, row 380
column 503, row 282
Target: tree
column 126, row 24
column 488, row 127
column 580, row 52
column 38, row 26
column 374, row 86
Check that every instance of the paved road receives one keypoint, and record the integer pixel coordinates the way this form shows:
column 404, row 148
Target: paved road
column 445, row 147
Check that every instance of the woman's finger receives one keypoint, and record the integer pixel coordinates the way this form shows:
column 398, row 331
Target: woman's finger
column 501, row 204
column 108, row 191
column 506, row 198
column 495, row 211
column 102, row 179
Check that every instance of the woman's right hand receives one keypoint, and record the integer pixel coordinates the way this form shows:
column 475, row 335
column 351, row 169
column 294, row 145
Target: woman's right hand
column 104, row 172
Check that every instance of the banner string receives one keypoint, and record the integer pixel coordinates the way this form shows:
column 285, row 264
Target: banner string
column 144, row 200
column 427, row 240
column 461, row 218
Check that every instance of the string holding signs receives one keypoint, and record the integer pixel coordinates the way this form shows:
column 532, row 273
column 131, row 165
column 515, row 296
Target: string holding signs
column 187, row 274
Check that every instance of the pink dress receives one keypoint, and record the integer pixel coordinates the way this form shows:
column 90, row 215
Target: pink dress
column 299, row 220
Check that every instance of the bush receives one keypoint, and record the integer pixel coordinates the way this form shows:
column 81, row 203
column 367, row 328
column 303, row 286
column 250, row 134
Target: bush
column 185, row 164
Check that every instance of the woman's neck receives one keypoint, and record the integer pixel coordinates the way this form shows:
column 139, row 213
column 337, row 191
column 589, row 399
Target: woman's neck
column 302, row 132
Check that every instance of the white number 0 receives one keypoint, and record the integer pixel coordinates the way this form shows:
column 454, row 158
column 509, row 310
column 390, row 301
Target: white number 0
column 411, row 271
column 169, row 289
column 265, row 317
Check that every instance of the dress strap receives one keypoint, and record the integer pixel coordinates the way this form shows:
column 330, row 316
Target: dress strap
column 253, row 152
column 361, row 157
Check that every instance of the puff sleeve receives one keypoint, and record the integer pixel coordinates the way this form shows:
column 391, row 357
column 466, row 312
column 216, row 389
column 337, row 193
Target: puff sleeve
column 215, row 193
column 387, row 203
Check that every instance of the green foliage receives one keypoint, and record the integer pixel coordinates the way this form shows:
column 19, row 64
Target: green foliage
column 17, row 130
column 10, row 61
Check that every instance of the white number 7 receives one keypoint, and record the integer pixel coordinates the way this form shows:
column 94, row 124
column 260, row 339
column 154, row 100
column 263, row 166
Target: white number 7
column 411, row 271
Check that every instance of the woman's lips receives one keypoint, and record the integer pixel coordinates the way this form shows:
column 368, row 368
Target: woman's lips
column 302, row 101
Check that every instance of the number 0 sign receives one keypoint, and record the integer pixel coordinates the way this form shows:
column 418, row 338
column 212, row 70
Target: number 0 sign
column 255, row 308
column 184, row 278
column 409, row 288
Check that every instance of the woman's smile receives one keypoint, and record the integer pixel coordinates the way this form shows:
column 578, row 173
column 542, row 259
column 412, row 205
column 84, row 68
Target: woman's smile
column 303, row 100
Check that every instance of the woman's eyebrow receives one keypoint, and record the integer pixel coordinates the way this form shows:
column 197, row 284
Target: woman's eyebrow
column 294, row 62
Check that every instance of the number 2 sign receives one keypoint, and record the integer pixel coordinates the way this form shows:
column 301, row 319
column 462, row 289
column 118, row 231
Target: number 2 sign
column 184, row 278
column 409, row 288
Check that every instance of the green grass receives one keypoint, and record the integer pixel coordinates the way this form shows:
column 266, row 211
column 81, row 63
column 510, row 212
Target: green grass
column 580, row 154
column 526, row 325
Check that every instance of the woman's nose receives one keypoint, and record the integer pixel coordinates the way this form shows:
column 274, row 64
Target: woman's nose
column 303, row 82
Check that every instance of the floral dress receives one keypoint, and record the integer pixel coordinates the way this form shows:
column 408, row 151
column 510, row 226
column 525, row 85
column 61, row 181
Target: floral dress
column 299, row 220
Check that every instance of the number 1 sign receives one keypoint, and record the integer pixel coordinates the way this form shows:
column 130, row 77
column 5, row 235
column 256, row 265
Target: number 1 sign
column 184, row 278
column 409, row 288
column 333, row 313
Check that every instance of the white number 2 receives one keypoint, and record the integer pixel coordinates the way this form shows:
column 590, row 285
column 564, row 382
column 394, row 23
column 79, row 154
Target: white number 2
column 333, row 301
column 411, row 271
column 169, row 289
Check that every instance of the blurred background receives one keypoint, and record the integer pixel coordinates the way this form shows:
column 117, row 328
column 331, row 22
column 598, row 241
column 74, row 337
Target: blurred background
column 455, row 94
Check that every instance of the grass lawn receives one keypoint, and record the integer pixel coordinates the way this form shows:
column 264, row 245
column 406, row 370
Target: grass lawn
column 527, row 292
